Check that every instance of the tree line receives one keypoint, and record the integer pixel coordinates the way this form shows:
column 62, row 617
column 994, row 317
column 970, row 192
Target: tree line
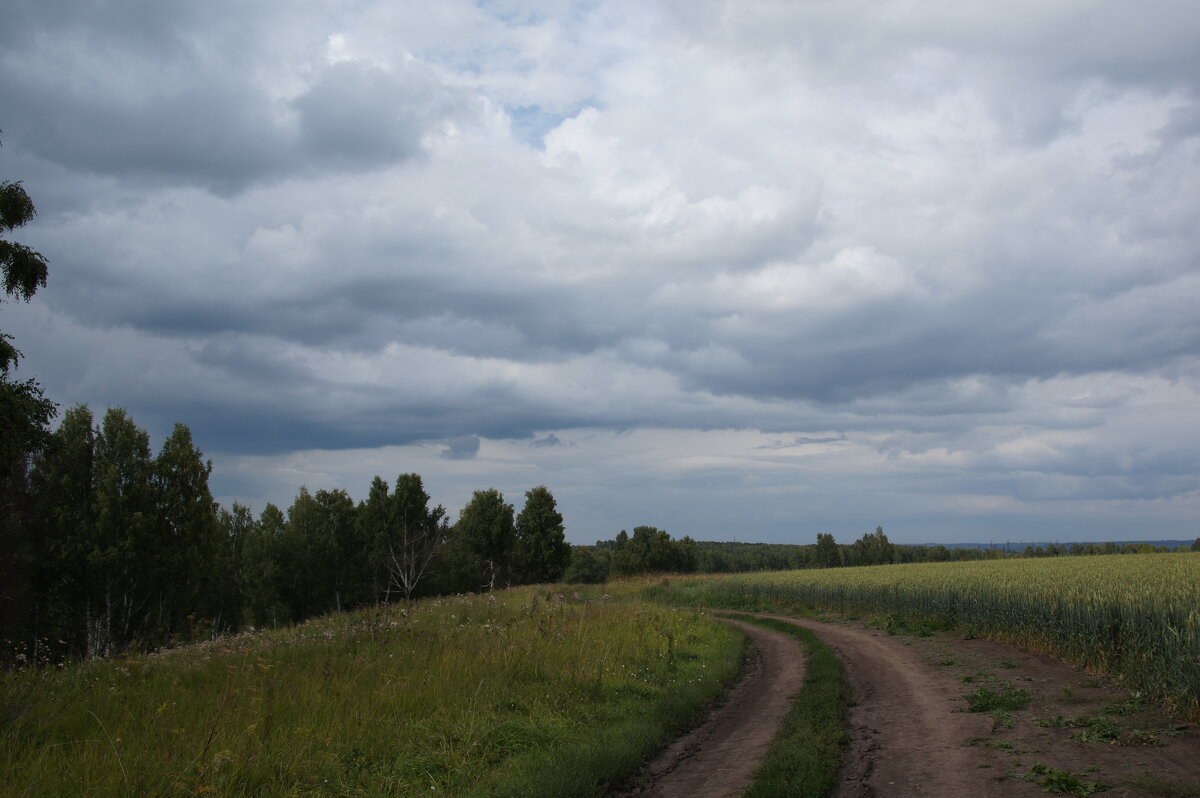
column 107, row 546
column 652, row 550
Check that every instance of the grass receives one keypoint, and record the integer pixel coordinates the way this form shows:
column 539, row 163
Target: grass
column 521, row 693
column 1004, row 697
column 804, row 758
column 1060, row 782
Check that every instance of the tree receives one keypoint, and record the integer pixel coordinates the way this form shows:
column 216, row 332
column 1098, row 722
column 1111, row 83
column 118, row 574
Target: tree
column 123, row 552
column 261, row 562
column 194, row 577
column 63, row 480
column 25, row 415
column 322, row 562
column 485, row 528
column 542, row 551
column 375, row 519
column 873, row 549
column 24, row 270
column 651, row 550
column 25, row 412
column 826, row 554
column 588, row 566
column 415, row 534
column 624, row 560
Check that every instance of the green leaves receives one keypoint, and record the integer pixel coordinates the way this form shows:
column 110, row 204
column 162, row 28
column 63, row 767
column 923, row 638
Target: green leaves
column 542, row 551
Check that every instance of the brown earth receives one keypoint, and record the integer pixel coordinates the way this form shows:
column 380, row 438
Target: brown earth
column 718, row 757
column 912, row 733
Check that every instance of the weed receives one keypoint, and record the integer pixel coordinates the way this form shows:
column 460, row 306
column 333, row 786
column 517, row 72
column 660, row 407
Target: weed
column 1002, row 719
column 1059, row 722
column 1130, row 707
column 1005, row 697
column 1099, row 730
column 1061, row 782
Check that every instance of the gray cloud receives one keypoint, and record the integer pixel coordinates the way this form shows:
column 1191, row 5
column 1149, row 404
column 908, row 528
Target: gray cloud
column 549, row 441
column 962, row 238
column 462, row 448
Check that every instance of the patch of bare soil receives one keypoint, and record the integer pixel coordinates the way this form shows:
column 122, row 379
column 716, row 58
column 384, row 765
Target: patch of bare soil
column 717, row 759
column 912, row 733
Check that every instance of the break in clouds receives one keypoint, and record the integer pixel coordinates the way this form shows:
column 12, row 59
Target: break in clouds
column 736, row 269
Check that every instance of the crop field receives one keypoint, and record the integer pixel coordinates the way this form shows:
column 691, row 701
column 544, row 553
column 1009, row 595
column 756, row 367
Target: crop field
column 524, row 693
column 1135, row 618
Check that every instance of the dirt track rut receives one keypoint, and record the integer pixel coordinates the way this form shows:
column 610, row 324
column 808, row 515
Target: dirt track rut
column 907, row 728
column 718, row 758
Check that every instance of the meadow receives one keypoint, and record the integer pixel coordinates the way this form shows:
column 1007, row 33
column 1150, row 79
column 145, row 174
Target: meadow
column 1135, row 618
column 524, row 692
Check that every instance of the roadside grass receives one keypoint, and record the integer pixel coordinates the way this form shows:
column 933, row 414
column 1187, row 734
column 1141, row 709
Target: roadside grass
column 805, row 756
column 519, row 693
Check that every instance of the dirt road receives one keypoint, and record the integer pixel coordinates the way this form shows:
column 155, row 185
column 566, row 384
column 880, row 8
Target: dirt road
column 911, row 735
column 907, row 730
column 718, row 758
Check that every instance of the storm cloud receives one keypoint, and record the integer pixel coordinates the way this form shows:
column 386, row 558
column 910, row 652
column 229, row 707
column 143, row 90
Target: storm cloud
column 750, row 269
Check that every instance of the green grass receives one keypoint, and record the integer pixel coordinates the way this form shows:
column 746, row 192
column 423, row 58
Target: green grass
column 1003, row 697
column 1060, row 782
column 515, row 694
column 804, row 758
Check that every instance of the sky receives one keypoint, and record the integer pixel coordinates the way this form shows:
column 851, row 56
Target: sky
column 740, row 270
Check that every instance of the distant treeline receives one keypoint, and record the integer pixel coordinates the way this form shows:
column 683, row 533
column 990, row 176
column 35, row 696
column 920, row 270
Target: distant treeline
column 106, row 547
column 652, row 550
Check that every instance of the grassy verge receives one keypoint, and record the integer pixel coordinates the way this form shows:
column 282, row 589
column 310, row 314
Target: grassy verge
column 805, row 756
column 523, row 693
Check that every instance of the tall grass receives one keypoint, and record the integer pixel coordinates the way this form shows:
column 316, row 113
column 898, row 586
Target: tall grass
column 1135, row 618
column 510, row 694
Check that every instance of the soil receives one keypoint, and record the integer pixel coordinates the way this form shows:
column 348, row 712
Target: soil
column 912, row 733
column 718, row 757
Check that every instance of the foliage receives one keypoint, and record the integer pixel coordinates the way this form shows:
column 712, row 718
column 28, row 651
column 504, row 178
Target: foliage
column 588, row 566
column 485, row 529
column 871, row 549
column 826, row 554
column 651, row 550
column 415, row 534
column 542, row 553
column 23, row 270
column 25, row 415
